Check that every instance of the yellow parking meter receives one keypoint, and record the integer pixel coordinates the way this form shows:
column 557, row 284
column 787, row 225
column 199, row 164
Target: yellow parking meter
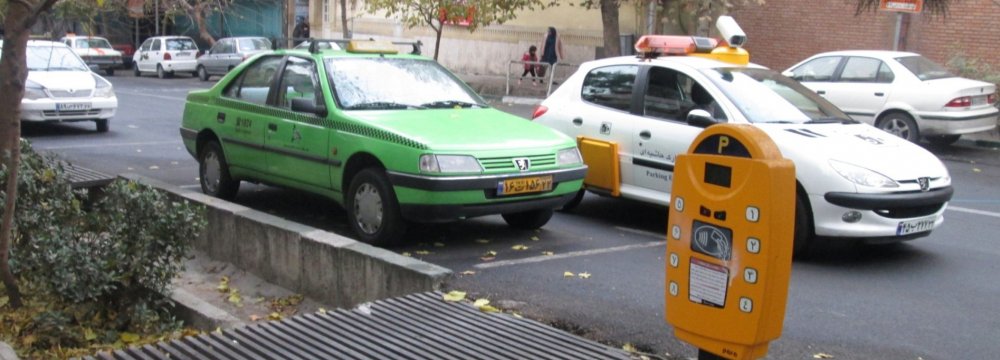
column 729, row 242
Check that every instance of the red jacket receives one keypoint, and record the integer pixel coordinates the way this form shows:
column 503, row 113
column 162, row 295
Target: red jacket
column 529, row 57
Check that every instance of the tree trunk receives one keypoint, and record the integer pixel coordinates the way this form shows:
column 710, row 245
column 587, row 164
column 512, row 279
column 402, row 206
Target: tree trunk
column 343, row 19
column 437, row 39
column 199, row 18
column 609, row 17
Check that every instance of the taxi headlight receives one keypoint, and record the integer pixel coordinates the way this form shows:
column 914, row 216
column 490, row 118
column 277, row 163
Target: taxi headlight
column 102, row 88
column 862, row 176
column 449, row 164
column 569, row 156
column 34, row 91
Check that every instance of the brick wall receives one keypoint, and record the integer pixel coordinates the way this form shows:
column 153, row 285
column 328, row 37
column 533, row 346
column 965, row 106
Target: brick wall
column 783, row 32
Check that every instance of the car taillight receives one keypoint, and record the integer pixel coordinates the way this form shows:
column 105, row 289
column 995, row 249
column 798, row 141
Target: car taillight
column 991, row 98
column 964, row 101
column 166, row 56
column 539, row 111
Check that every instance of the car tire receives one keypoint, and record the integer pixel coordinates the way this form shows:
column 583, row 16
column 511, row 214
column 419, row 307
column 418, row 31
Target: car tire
column 162, row 74
column 135, row 70
column 202, row 73
column 900, row 124
column 103, row 125
column 803, row 233
column 213, row 171
column 372, row 209
column 109, row 71
column 528, row 220
column 943, row 140
column 570, row 205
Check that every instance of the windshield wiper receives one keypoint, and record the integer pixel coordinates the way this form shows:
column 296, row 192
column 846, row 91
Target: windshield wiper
column 382, row 105
column 449, row 104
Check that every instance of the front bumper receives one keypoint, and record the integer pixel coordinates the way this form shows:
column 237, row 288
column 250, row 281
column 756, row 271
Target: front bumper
column 881, row 214
column 43, row 110
column 959, row 122
column 103, row 61
column 449, row 198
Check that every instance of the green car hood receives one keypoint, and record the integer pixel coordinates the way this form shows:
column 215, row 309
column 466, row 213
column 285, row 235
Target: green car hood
column 464, row 129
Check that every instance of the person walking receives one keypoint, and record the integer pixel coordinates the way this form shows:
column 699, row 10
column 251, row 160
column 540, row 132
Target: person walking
column 529, row 68
column 301, row 30
column 551, row 51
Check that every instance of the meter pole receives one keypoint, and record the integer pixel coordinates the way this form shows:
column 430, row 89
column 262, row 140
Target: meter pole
column 705, row 355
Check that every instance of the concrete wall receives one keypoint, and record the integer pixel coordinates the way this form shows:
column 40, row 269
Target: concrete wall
column 321, row 265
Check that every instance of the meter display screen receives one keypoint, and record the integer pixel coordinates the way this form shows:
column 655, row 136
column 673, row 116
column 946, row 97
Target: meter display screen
column 712, row 240
column 718, row 175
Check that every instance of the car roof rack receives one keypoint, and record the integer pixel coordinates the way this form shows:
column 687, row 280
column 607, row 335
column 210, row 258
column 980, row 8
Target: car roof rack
column 342, row 42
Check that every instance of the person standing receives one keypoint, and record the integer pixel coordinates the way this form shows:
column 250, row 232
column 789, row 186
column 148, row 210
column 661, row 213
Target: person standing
column 301, row 30
column 529, row 68
column 551, row 51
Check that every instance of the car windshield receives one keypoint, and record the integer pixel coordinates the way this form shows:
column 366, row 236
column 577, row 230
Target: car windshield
column 254, row 44
column 93, row 43
column 923, row 68
column 377, row 83
column 54, row 58
column 181, row 44
column 765, row 96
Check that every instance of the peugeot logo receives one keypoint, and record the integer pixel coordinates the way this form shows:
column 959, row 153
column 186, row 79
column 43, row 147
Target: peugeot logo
column 71, row 91
column 522, row 164
column 924, row 182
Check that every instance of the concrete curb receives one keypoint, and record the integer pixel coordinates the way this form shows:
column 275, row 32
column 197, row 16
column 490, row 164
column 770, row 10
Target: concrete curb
column 7, row 352
column 327, row 267
column 199, row 313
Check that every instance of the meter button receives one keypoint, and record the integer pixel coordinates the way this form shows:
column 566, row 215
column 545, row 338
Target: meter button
column 674, row 260
column 704, row 211
column 753, row 214
column 679, row 204
column 750, row 275
column 673, row 288
column 675, row 231
column 720, row 215
column 753, row 245
column 746, row 305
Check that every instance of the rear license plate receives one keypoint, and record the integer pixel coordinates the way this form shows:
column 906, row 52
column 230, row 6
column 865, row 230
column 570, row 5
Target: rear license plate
column 978, row 100
column 915, row 226
column 183, row 53
column 524, row 185
column 72, row 106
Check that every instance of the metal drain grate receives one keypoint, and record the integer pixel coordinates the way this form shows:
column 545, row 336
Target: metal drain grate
column 80, row 177
column 419, row 326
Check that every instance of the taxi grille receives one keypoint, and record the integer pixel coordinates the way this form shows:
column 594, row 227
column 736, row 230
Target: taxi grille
column 507, row 163
column 55, row 113
column 909, row 212
column 67, row 94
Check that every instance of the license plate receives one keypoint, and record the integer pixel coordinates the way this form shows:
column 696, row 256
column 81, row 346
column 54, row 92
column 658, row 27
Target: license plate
column 524, row 185
column 914, row 226
column 183, row 53
column 72, row 106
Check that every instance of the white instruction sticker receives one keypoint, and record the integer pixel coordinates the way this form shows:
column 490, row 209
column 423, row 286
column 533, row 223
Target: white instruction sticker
column 708, row 283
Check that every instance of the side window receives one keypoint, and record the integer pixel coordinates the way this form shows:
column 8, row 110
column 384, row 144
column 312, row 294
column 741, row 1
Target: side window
column 68, row 43
column 156, row 45
column 610, row 86
column 861, row 69
column 217, row 48
column 255, row 83
column 145, row 45
column 298, row 81
column 820, row 69
column 671, row 95
column 885, row 74
column 227, row 47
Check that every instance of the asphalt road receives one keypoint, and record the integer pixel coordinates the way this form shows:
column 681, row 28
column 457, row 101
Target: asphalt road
column 932, row 298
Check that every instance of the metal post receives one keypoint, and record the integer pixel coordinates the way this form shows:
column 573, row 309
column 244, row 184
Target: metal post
column 156, row 9
column 899, row 26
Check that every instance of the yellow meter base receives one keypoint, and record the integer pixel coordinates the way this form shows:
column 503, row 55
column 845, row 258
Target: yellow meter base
column 723, row 349
column 601, row 157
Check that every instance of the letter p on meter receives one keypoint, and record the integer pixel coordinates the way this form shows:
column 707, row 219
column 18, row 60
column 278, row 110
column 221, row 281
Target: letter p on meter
column 729, row 242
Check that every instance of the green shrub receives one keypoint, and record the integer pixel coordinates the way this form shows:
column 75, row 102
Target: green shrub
column 973, row 68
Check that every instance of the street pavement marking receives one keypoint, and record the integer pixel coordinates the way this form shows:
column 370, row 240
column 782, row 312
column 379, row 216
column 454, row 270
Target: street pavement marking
column 542, row 258
column 183, row 98
column 643, row 232
column 107, row 145
column 974, row 211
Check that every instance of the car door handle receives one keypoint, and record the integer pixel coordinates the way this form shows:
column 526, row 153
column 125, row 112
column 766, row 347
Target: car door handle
column 821, row 92
column 645, row 134
column 272, row 127
column 879, row 94
column 577, row 121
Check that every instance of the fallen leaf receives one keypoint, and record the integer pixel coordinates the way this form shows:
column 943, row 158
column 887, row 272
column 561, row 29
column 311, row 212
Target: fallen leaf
column 218, row 330
column 438, row 244
column 154, row 167
column 454, row 296
column 235, row 298
column 482, row 241
column 3, row 301
column 89, row 334
column 489, row 256
column 822, row 356
column 629, row 347
column 519, row 247
column 535, row 238
column 481, row 303
column 128, row 337
column 274, row 316
column 568, row 274
column 490, row 253
column 585, row 275
column 254, row 317
column 517, row 315
column 422, row 252
column 548, row 253
column 468, row 272
column 976, row 170
column 223, row 284
column 488, row 309
column 321, row 311
column 406, row 254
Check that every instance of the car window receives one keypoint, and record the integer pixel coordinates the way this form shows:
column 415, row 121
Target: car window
column 671, row 95
column 610, row 86
column 923, row 68
column 53, row 58
column 217, row 48
column 861, row 69
column 227, row 47
column 254, row 44
column 764, row 96
column 145, row 45
column 92, row 44
column 820, row 69
column 181, row 44
column 378, row 83
column 298, row 81
column 254, row 84
column 156, row 45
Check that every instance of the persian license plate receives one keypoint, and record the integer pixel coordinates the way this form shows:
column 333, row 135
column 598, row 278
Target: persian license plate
column 524, row 185
column 72, row 106
column 914, row 226
column 183, row 53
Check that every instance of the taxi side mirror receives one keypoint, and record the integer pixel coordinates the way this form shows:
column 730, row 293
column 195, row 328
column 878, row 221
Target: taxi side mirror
column 700, row 118
column 308, row 106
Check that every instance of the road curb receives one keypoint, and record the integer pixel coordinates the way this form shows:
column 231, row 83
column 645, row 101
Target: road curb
column 199, row 313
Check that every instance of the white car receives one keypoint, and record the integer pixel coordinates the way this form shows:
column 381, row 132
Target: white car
column 166, row 55
column 853, row 180
column 61, row 88
column 95, row 51
column 902, row 93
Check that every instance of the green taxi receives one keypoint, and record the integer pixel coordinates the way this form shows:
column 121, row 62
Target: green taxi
column 394, row 138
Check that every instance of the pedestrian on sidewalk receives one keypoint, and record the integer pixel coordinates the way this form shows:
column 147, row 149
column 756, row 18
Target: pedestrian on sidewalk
column 552, row 50
column 529, row 68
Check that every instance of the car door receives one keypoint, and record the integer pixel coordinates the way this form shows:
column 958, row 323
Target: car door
column 818, row 74
column 861, row 87
column 661, row 130
column 297, row 142
column 141, row 57
column 231, row 58
column 154, row 55
column 211, row 59
column 244, row 114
